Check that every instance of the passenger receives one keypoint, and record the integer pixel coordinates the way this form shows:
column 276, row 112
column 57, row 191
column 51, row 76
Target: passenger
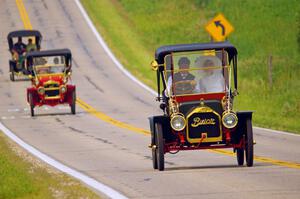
column 19, row 47
column 213, row 80
column 183, row 75
column 56, row 60
column 30, row 46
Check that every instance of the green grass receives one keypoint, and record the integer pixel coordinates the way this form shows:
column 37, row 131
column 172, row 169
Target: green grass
column 134, row 29
column 21, row 176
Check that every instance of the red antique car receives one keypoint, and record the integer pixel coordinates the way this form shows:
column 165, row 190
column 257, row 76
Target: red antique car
column 50, row 73
column 199, row 83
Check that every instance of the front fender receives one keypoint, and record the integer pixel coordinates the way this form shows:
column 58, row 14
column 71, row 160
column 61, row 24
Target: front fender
column 164, row 121
column 70, row 89
column 241, row 128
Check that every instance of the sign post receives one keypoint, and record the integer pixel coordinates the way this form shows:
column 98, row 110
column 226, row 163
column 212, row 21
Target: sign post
column 219, row 28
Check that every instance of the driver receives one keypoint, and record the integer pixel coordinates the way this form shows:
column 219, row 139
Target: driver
column 183, row 76
column 19, row 46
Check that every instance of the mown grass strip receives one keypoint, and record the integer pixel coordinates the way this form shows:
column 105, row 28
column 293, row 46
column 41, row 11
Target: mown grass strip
column 134, row 29
column 23, row 176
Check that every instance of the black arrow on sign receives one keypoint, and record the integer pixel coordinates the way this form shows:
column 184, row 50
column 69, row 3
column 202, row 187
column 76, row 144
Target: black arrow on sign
column 218, row 23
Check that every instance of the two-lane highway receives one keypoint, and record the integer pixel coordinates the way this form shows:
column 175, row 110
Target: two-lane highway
column 110, row 143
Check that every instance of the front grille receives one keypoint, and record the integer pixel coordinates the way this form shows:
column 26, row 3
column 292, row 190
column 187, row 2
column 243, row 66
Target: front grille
column 55, row 85
column 52, row 93
column 208, row 123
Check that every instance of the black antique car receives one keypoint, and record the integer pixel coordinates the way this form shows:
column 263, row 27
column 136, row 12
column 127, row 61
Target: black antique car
column 196, row 85
column 18, row 50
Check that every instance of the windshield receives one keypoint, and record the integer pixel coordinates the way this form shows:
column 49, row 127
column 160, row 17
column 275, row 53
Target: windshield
column 196, row 72
column 49, row 65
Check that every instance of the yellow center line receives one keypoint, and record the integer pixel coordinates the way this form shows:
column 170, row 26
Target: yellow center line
column 106, row 118
column 24, row 15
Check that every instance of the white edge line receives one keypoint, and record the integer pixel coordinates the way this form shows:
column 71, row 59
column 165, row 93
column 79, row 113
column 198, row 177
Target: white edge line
column 108, row 51
column 84, row 178
column 275, row 131
column 126, row 72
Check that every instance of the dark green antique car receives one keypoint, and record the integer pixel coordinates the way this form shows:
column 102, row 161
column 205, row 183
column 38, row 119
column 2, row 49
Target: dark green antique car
column 18, row 50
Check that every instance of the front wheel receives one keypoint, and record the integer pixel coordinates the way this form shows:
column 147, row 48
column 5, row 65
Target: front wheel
column 73, row 104
column 249, row 143
column 154, row 157
column 30, row 99
column 240, row 156
column 159, row 142
column 154, row 148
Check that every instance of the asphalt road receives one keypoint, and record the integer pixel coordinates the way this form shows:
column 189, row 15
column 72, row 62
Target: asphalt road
column 119, row 157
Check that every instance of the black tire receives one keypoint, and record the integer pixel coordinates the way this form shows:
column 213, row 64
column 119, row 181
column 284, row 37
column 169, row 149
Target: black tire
column 12, row 76
column 73, row 105
column 154, row 158
column 249, row 143
column 240, row 156
column 31, row 104
column 153, row 149
column 159, row 142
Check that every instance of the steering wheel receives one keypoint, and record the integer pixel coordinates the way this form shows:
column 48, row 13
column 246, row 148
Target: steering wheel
column 185, row 87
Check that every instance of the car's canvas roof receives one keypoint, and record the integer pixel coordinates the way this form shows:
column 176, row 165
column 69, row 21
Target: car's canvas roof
column 162, row 51
column 24, row 33
column 47, row 53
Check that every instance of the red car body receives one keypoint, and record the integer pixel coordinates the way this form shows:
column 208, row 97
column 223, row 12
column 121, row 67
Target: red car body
column 50, row 80
column 52, row 95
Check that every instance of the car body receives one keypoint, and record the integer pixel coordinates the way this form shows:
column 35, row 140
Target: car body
column 16, row 63
column 50, row 73
column 197, row 102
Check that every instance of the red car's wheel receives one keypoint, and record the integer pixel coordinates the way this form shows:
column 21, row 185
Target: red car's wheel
column 73, row 105
column 249, row 144
column 30, row 99
column 159, row 142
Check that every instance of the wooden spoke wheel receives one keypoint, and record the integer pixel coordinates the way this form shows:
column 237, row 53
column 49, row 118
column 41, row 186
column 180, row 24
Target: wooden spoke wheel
column 159, row 142
column 249, row 143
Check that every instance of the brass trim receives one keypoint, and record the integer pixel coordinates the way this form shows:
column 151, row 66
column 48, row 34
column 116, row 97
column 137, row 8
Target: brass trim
column 39, row 91
column 204, row 109
column 178, row 115
column 51, row 82
column 51, row 89
column 235, row 116
column 53, row 97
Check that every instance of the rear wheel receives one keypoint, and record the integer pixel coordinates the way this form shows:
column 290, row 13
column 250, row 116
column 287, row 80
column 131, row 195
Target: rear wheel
column 12, row 76
column 31, row 104
column 159, row 142
column 73, row 105
column 240, row 156
column 11, row 70
column 249, row 143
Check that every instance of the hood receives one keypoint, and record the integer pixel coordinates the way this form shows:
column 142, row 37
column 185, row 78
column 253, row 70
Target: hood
column 48, row 79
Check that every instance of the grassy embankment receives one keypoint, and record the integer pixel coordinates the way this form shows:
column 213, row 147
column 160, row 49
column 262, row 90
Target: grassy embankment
column 22, row 176
column 134, row 29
